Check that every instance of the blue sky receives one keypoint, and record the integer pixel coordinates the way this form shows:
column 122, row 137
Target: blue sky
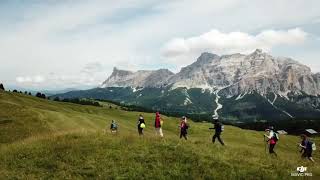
column 64, row 44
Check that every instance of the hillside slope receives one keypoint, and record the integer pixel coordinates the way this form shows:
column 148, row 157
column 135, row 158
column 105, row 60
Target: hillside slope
column 43, row 139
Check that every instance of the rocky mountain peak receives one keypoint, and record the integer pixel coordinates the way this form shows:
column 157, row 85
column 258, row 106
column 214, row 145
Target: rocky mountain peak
column 232, row 74
column 141, row 78
column 118, row 72
column 206, row 58
column 258, row 51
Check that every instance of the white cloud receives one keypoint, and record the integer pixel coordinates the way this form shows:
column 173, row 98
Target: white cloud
column 63, row 36
column 30, row 79
column 93, row 67
column 233, row 42
column 59, row 81
column 91, row 75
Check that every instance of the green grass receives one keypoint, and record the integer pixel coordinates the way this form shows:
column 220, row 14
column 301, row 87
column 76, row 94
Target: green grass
column 42, row 139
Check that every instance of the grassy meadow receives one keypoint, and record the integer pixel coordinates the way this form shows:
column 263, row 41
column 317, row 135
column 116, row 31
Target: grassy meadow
column 42, row 139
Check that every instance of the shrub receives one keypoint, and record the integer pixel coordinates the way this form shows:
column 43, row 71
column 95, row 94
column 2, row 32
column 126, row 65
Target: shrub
column 2, row 87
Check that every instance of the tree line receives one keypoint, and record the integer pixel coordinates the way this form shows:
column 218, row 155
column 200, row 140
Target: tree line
column 168, row 112
column 79, row 101
column 15, row 91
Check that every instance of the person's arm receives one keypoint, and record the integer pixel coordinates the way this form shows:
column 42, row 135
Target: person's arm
column 269, row 136
column 302, row 146
column 214, row 127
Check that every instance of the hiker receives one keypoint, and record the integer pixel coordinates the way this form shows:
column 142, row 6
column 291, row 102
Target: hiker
column 218, row 126
column 157, row 124
column 183, row 128
column 306, row 147
column 272, row 138
column 113, row 127
column 141, row 125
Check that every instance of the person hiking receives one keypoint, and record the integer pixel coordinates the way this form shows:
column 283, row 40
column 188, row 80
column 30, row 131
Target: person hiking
column 183, row 128
column 218, row 126
column 306, row 147
column 272, row 138
column 141, row 125
column 157, row 124
column 114, row 127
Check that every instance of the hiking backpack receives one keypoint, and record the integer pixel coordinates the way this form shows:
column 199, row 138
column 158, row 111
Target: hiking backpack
column 313, row 146
column 114, row 126
column 276, row 136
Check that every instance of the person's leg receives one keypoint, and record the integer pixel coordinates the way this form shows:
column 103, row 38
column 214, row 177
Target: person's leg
column 220, row 140
column 271, row 149
column 214, row 138
column 274, row 151
column 160, row 132
column 304, row 155
column 311, row 159
column 181, row 135
column 310, row 156
column 185, row 136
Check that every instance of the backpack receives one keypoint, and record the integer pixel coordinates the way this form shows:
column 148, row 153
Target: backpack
column 276, row 136
column 313, row 146
column 114, row 126
column 142, row 125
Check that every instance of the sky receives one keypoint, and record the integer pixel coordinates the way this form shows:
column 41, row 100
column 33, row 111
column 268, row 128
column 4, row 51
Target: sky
column 58, row 44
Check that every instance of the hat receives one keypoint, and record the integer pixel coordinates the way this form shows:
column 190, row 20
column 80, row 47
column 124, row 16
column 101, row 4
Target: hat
column 215, row 117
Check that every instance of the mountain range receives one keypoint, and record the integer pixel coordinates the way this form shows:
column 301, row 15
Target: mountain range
column 235, row 87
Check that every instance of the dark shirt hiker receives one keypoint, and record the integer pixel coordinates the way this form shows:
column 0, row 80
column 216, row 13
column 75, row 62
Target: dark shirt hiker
column 113, row 127
column 184, row 128
column 306, row 147
column 140, row 126
column 218, row 130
